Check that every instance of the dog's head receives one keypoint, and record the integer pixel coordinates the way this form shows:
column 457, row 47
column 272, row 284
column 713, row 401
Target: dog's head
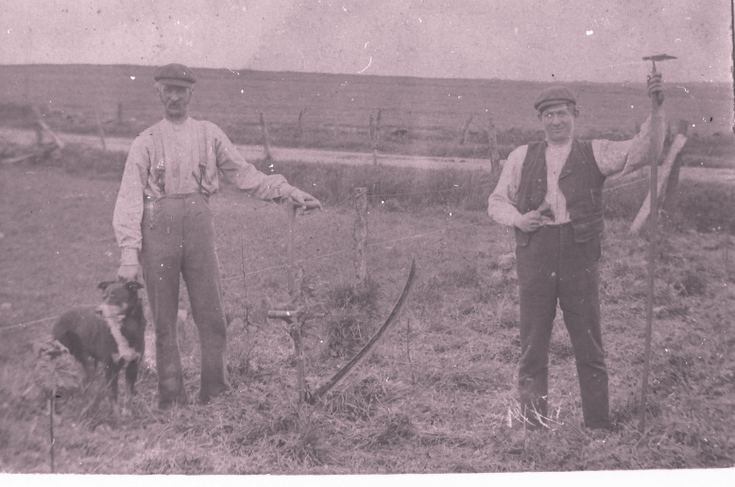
column 118, row 298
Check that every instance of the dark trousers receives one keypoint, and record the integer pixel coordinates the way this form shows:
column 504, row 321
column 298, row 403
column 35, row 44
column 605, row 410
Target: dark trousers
column 553, row 267
column 178, row 239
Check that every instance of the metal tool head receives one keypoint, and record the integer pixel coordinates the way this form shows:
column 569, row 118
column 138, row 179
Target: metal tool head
column 658, row 57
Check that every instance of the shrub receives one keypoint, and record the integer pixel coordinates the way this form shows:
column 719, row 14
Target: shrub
column 351, row 319
column 702, row 206
column 706, row 207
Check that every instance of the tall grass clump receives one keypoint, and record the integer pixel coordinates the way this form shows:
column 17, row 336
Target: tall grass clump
column 707, row 207
column 350, row 321
column 701, row 206
column 77, row 159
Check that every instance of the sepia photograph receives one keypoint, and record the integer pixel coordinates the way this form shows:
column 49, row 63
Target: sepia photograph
column 329, row 241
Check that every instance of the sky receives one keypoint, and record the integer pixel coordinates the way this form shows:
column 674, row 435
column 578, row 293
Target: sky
column 539, row 40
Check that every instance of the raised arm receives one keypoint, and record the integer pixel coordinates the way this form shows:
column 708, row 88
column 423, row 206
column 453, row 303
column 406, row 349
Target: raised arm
column 624, row 157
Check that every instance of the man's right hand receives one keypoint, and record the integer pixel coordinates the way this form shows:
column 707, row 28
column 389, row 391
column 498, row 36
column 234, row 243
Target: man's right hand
column 129, row 272
column 129, row 265
column 529, row 222
column 656, row 87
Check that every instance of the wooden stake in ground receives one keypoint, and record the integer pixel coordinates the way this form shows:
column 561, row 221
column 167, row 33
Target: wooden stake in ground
column 296, row 330
column 652, row 236
column 290, row 251
column 266, row 142
column 360, row 233
column 373, row 140
column 100, row 130
column 42, row 150
column 377, row 124
column 294, row 315
column 466, row 130
column 299, row 128
column 51, row 425
column 492, row 140
column 45, row 128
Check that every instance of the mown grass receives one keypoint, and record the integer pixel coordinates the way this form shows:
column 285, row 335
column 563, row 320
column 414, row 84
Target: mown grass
column 438, row 396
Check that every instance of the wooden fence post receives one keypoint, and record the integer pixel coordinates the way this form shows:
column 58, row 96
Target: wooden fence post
column 377, row 124
column 266, row 142
column 466, row 130
column 119, row 113
column 100, row 130
column 299, row 129
column 39, row 132
column 373, row 141
column 493, row 146
column 360, row 233
column 290, row 248
column 26, row 89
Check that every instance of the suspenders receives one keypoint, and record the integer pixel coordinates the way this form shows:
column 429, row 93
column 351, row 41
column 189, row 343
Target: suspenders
column 158, row 166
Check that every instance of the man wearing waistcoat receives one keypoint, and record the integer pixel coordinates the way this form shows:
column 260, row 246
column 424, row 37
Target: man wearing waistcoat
column 550, row 192
column 163, row 222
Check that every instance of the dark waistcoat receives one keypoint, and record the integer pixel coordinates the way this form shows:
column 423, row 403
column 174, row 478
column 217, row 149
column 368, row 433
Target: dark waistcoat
column 580, row 181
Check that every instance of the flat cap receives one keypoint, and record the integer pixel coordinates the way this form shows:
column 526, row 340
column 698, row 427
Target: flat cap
column 553, row 95
column 175, row 74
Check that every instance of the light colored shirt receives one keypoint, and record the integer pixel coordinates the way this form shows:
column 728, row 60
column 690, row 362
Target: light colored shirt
column 184, row 152
column 613, row 157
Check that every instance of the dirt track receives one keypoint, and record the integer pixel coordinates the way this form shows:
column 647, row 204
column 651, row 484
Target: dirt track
column 251, row 152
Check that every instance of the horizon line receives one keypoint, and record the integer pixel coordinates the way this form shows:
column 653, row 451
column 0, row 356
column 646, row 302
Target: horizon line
column 251, row 70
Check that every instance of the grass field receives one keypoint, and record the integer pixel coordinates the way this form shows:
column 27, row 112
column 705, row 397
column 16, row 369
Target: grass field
column 439, row 394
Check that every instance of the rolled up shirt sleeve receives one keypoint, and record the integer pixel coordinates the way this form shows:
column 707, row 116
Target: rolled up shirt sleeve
column 128, row 214
column 502, row 203
column 627, row 156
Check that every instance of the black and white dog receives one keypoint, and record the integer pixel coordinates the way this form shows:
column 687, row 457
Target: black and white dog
column 113, row 334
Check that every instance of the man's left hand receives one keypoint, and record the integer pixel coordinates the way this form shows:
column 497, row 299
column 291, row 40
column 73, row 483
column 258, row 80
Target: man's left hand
column 656, row 87
column 304, row 200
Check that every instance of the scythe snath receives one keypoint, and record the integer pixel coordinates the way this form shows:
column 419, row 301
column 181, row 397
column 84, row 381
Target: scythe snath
column 653, row 155
column 294, row 314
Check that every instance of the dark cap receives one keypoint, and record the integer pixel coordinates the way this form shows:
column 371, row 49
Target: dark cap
column 553, row 95
column 175, row 74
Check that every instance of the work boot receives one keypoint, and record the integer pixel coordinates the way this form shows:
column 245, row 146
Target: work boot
column 213, row 391
column 180, row 400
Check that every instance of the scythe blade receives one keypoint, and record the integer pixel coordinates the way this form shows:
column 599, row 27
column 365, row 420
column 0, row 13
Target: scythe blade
column 369, row 347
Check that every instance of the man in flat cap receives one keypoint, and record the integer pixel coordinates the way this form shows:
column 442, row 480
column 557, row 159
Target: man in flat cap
column 550, row 192
column 163, row 224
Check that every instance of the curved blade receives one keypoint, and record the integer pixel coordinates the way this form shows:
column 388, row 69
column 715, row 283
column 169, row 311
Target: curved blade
column 364, row 353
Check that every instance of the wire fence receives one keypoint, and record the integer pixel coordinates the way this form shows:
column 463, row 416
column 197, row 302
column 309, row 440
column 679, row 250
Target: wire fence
column 283, row 266
column 344, row 251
